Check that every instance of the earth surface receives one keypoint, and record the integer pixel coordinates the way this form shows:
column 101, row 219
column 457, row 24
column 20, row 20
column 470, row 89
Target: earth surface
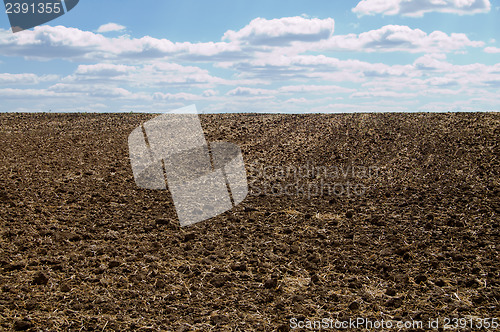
column 390, row 217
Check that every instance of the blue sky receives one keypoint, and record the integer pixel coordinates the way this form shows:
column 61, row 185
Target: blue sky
column 256, row 56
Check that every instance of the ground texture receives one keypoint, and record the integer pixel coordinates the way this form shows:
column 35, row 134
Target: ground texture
column 390, row 216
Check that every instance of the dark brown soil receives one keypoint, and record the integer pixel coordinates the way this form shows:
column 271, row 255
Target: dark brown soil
column 82, row 248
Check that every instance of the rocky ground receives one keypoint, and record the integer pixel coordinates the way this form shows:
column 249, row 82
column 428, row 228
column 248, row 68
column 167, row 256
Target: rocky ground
column 377, row 216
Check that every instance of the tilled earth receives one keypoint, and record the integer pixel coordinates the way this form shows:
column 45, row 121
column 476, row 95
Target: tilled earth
column 381, row 216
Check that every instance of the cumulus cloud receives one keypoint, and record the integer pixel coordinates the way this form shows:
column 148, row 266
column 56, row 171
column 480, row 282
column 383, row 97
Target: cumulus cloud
column 275, row 39
column 210, row 93
column 25, row 79
column 417, row 8
column 383, row 94
column 394, row 38
column 47, row 42
column 319, row 67
column 492, row 49
column 110, row 27
column 103, row 69
column 244, row 91
column 24, row 94
column 100, row 91
column 315, row 89
column 288, row 90
column 175, row 96
column 282, row 31
column 53, row 42
column 167, row 74
column 146, row 75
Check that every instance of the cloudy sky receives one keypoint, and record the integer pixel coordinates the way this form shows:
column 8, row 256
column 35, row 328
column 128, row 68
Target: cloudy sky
column 256, row 56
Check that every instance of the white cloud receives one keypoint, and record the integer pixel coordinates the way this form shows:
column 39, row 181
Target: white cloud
column 417, row 8
column 492, row 49
column 288, row 90
column 383, row 94
column 147, row 75
column 283, row 31
column 433, row 75
column 175, row 96
column 244, row 91
column 25, row 79
column 297, row 101
column 103, row 69
column 99, row 91
column 320, row 67
column 315, row 89
column 25, row 93
column 46, row 42
column 110, row 27
column 210, row 93
column 433, row 61
column 393, row 38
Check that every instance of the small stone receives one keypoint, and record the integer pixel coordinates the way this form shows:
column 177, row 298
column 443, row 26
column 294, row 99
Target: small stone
column 14, row 267
column 355, row 284
column 294, row 249
column 183, row 328
column 271, row 283
column 238, row 267
column 354, row 306
column 391, row 292
column 315, row 279
column 440, row 283
column 377, row 220
column 160, row 284
column 420, row 278
column 386, row 252
column 65, row 288
column 394, row 302
column 22, row 325
column 40, row 279
column 452, row 222
column 401, row 278
column 333, row 223
column 218, row 320
column 477, row 300
column 283, row 328
column 67, row 236
column 471, row 282
column 189, row 237
column 401, row 251
column 30, row 305
column 113, row 264
column 297, row 298
column 162, row 221
column 218, row 281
